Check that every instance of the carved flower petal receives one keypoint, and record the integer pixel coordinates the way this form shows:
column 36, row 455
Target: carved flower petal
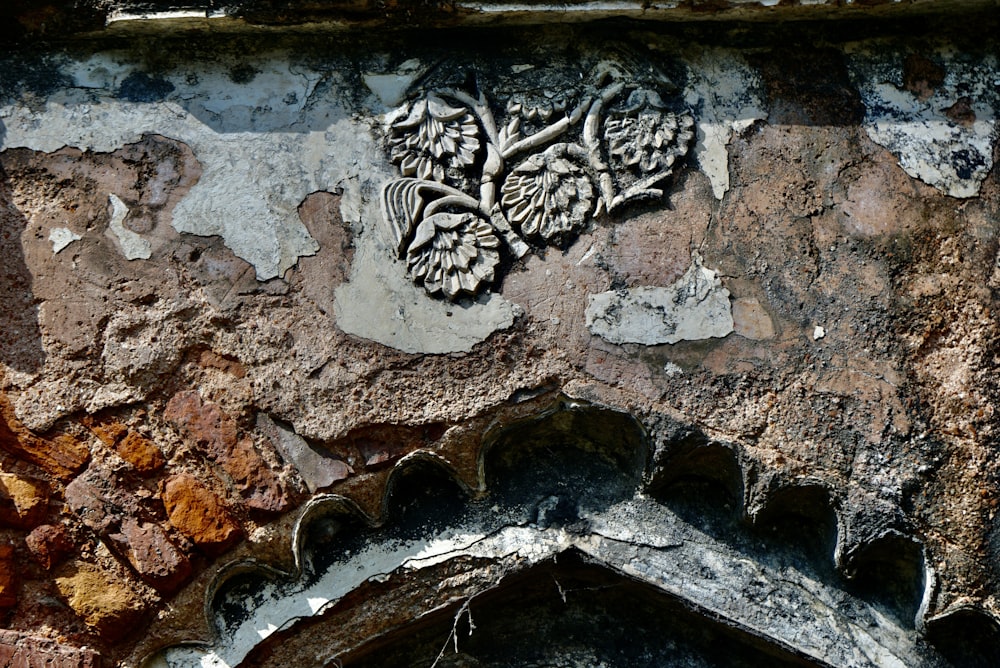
column 442, row 111
column 409, row 165
column 424, row 168
column 418, row 111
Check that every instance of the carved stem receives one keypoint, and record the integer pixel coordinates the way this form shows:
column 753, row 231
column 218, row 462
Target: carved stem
column 494, row 161
column 482, row 110
column 593, row 143
column 459, row 199
column 547, row 134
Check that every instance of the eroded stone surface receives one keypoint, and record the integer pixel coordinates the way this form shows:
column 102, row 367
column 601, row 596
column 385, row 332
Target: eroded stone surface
column 215, row 433
column 23, row 501
column 8, row 577
column 317, row 469
column 20, row 649
column 100, row 597
column 49, row 544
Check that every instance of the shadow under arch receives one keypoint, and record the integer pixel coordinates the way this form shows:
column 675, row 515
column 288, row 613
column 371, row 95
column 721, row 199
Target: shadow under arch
column 891, row 573
column 563, row 485
column 801, row 522
column 967, row 637
column 702, row 481
column 570, row 460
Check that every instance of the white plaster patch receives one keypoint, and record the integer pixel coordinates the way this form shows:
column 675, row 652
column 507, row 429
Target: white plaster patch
column 953, row 153
column 381, row 303
column 725, row 93
column 671, row 369
column 696, row 307
column 261, row 147
column 132, row 245
column 61, row 237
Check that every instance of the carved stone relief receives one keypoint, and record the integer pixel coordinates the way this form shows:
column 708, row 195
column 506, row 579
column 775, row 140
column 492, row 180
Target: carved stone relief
column 478, row 186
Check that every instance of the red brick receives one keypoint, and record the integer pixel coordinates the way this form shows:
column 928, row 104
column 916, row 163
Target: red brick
column 24, row 501
column 18, row 650
column 49, row 544
column 62, row 456
column 216, row 435
column 151, row 553
column 8, row 577
column 199, row 514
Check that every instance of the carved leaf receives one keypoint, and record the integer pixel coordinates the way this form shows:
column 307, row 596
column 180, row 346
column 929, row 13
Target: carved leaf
column 401, row 207
column 433, row 139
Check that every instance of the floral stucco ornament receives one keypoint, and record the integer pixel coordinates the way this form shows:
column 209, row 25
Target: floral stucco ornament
column 475, row 189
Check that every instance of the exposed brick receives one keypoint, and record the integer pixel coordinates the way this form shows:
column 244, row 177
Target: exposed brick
column 101, row 598
column 110, row 433
column 151, row 553
column 199, row 514
column 103, row 500
column 23, row 501
column 62, row 456
column 18, row 650
column 141, row 453
column 8, row 577
column 212, row 360
column 49, row 544
column 134, row 448
column 216, row 435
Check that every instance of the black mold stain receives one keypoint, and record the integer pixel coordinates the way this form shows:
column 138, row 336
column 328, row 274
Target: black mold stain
column 140, row 87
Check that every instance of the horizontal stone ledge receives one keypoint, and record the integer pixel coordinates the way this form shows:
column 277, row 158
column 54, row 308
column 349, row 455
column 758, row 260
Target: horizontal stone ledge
column 23, row 19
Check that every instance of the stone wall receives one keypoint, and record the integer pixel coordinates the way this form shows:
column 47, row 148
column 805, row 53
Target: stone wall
column 313, row 332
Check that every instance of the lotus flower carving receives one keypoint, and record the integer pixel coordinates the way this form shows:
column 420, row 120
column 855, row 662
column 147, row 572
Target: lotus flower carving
column 549, row 195
column 453, row 253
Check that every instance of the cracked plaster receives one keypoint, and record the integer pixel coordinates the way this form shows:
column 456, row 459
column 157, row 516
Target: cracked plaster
column 946, row 148
column 726, row 94
column 693, row 308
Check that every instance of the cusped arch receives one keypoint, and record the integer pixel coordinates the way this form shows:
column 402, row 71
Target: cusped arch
column 572, row 482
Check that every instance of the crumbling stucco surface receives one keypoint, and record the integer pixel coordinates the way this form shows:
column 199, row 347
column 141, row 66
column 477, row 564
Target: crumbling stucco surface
column 222, row 393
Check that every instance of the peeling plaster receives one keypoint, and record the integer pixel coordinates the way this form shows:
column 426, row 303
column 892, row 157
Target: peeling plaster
column 952, row 154
column 61, row 237
column 725, row 93
column 132, row 245
column 262, row 148
column 695, row 307
column 264, row 145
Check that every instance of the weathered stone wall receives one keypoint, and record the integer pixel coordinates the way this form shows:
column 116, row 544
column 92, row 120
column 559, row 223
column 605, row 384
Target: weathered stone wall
column 267, row 292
